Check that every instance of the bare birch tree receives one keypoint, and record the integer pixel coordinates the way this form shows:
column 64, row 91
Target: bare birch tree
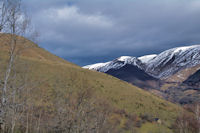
column 14, row 23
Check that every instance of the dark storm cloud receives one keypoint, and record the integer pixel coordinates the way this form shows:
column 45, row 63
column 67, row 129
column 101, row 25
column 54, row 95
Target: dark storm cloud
column 90, row 31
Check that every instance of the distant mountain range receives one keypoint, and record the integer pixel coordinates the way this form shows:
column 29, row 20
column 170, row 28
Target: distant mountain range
column 164, row 72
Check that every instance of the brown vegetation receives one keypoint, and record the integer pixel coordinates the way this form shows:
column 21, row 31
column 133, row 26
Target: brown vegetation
column 188, row 122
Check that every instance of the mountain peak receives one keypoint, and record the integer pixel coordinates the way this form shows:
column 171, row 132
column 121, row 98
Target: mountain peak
column 147, row 58
column 124, row 58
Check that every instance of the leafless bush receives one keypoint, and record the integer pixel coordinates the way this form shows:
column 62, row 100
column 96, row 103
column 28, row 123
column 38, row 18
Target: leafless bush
column 188, row 122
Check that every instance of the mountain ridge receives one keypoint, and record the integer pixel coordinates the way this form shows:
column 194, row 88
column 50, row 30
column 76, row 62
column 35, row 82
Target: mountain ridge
column 160, row 66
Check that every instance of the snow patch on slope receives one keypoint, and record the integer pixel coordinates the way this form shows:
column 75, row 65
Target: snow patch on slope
column 96, row 66
column 124, row 58
column 183, row 49
column 147, row 58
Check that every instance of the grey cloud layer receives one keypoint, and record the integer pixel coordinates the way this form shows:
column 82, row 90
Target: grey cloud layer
column 90, row 31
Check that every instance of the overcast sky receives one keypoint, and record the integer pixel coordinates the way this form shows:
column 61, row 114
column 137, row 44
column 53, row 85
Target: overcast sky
column 90, row 31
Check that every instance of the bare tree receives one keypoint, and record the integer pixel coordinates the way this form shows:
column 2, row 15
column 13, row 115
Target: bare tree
column 82, row 113
column 3, row 14
column 14, row 23
column 188, row 122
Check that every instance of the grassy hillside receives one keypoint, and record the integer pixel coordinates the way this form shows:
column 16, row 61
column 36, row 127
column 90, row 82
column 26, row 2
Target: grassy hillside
column 55, row 77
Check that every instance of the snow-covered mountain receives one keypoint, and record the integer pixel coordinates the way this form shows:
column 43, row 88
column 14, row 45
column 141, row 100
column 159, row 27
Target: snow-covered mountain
column 129, row 69
column 159, row 66
column 115, row 64
column 173, row 60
